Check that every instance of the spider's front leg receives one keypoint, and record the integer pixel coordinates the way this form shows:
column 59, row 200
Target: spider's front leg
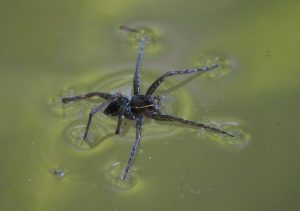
column 139, row 123
column 136, row 79
column 85, row 96
column 164, row 117
column 158, row 81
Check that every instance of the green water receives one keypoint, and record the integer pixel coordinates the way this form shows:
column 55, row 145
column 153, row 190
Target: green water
column 51, row 49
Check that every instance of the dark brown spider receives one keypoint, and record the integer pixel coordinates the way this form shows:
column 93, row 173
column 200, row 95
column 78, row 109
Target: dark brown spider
column 139, row 105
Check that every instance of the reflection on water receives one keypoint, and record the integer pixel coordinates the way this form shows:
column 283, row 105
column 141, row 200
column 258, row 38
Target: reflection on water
column 58, row 172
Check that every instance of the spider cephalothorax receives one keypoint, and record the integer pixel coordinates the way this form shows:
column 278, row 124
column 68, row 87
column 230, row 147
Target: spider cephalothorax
column 139, row 105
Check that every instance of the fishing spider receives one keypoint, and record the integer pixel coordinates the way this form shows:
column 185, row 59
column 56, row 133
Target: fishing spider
column 139, row 105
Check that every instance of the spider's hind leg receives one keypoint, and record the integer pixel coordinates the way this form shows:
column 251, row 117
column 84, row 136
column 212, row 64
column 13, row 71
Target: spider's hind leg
column 139, row 123
column 164, row 117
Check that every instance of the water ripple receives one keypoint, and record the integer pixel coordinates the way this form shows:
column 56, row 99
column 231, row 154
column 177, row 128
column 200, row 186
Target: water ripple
column 240, row 140
column 227, row 64
column 115, row 174
column 153, row 35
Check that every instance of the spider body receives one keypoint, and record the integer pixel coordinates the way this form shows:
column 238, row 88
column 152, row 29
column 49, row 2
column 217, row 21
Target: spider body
column 139, row 105
column 142, row 104
column 132, row 107
column 116, row 106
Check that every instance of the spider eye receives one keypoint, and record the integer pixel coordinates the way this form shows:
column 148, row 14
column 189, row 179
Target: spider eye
column 112, row 109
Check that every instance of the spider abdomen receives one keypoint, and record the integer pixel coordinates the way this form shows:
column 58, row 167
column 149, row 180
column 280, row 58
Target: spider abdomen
column 112, row 109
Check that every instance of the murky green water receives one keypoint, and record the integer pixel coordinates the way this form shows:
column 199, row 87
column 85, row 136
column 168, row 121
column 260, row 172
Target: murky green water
column 51, row 49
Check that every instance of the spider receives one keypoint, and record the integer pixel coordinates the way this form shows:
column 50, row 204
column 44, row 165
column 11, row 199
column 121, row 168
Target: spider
column 139, row 105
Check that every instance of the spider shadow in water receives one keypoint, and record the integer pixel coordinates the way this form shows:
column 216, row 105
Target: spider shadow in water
column 125, row 129
column 178, row 85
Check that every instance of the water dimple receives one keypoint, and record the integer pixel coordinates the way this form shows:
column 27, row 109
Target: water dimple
column 56, row 106
column 116, row 173
column 152, row 36
column 74, row 137
column 240, row 140
column 226, row 64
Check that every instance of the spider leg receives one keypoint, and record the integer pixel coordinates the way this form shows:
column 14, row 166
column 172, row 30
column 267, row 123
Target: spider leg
column 120, row 122
column 136, row 79
column 85, row 96
column 139, row 123
column 157, row 82
column 95, row 110
column 164, row 117
column 124, row 111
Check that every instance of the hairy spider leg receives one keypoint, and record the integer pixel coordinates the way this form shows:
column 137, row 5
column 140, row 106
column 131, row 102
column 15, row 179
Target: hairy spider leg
column 157, row 82
column 120, row 121
column 164, row 117
column 139, row 123
column 136, row 79
column 98, row 108
column 124, row 112
column 120, row 124
column 85, row 96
